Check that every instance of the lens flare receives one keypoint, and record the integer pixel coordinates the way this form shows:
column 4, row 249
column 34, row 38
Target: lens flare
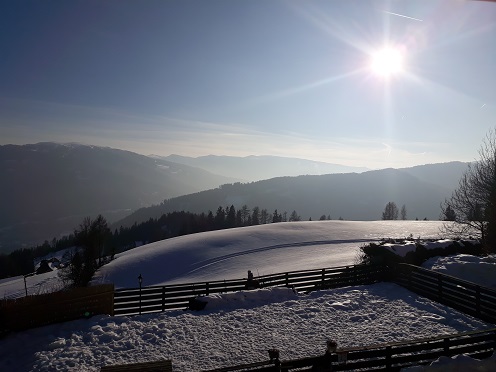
column 387, row 62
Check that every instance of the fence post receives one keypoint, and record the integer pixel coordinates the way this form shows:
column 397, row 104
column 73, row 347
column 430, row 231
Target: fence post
column 446, row 344
column 388, row 358
column 439, row 286
column 477, row 300
column 163, row 298
column 410, row 271
column 207, row 289
column 287, row 279
column 323, row 277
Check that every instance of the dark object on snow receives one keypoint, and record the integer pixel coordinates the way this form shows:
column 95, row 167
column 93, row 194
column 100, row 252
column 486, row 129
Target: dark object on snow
column 251, row 283
column 196, row 305
column 325, row 363
column 44, row 267
column 274, row 358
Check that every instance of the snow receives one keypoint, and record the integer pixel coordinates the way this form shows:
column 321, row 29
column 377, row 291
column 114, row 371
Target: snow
column 480, row 270
column 240, row 327
column 229, row 254
column 263, row 249
column 458, row 363
column 401, row 249
column 37, row 284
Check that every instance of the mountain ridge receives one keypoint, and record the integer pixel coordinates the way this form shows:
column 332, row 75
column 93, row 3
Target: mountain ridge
column 353, row 196
column 258, row 167
column 48, row 188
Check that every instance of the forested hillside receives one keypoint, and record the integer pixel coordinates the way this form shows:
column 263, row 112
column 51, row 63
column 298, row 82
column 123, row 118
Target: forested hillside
column 349, row 196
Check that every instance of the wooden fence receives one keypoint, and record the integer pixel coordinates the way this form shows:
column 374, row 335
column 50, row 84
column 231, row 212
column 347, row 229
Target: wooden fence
column 160, row 298
column 459, row 294
column 462, row 295
column 389, row 357
column 35, row 311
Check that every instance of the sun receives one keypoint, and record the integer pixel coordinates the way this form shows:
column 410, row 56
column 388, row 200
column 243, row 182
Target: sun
column 387, row 62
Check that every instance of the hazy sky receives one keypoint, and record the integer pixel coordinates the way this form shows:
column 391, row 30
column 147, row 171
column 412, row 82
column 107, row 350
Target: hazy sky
column 289, row 78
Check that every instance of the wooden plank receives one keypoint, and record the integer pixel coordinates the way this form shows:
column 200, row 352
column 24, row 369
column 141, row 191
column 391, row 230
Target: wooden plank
column 156, row 366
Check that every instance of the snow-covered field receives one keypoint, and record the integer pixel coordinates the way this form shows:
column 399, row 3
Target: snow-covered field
column 229, row 254
column 480, row 270
column 264, row 249
column 241, row 327
column 236, row 331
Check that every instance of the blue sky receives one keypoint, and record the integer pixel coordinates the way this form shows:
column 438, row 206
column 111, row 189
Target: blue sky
column 258, row 77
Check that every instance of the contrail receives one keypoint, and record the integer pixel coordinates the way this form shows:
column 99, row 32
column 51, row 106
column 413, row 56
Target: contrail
column 404, row 16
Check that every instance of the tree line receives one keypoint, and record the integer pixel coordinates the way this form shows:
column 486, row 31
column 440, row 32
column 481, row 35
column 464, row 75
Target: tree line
column 97, row 242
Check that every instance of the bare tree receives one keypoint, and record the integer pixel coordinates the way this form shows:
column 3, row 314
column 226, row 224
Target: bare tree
column 90, row 238
column 403, row 212
column 473, row 204
column 390, row 211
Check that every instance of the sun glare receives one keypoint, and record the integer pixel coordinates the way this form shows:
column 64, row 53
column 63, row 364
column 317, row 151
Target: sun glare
column 387, row 61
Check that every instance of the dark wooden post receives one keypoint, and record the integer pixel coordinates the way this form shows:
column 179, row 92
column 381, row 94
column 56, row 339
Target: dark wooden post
column 140, row 280
column 287, row 279
column 323, row 277
column 446, row 344
column 477, row 300
column 389, row 363
column 274, row 358
column 439, row 286
column 163, row 298
column 207, row 289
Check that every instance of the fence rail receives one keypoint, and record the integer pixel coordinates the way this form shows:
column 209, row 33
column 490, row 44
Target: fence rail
column 35, row 311
column 389, row 357
column 160, row 298
column 465, row 296
column 459, row 294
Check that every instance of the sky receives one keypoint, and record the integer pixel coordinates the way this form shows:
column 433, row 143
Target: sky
column 272, row 77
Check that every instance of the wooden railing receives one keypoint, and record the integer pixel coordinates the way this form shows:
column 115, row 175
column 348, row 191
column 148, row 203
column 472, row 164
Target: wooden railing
column 35, row 311
column 389, row 357
column 459, row 294
column 462, row 295
column 160, row 298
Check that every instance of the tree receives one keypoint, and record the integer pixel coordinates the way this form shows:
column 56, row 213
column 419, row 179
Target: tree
column 390, row 211
column 255, row 216
column 90, row 238
column 220, row 218
column 448, row 214
column 403, row 212
column 472, row 205
column 294, row 217
column 100, row 232
column 245, row 212
column 231, row 217
column 264, row 216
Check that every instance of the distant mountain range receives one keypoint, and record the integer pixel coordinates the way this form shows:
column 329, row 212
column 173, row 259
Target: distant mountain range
column 256, row 168
column 47, row 189
column 351, row 196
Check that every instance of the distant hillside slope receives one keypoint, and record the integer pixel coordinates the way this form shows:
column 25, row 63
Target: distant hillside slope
column 350, row 196
column 256, row 168
column 441, row 174
column 46, row 188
